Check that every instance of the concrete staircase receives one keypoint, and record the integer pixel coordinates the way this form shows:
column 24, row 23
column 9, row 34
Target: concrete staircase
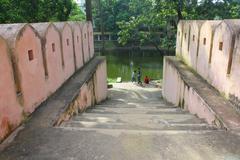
column 137, row 111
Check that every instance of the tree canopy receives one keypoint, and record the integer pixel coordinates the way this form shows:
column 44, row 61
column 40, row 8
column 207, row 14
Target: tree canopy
column 16, row 11
column 155, row 21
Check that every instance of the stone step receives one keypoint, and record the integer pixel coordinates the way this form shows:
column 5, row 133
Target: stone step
column 136, row 110
column 147, row 119
column 141, row 105
column 117, row 132
column 137, row 126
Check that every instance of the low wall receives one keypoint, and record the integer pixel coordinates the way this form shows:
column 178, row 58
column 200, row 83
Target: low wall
column 39, row 58
column 211, row 48
column 92, row 92
column 177, row 91
column 186, row 89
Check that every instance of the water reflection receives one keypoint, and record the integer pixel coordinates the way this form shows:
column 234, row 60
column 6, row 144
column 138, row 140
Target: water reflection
column 119, row 64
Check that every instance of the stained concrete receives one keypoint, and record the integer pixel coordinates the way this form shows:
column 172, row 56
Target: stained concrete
column 198, row 96
column 134, row 123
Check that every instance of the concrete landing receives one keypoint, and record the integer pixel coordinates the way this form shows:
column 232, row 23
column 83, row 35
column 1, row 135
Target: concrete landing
column 133, row 124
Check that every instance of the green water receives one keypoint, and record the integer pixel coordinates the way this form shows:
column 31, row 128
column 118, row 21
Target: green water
column 118, row 64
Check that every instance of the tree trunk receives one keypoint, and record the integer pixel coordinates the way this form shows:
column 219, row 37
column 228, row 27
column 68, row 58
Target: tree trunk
column 179, row 9
column 89, row 10
column 101, row 23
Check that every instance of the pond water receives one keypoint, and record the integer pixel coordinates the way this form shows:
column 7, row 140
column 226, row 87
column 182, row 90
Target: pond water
column 118, row 64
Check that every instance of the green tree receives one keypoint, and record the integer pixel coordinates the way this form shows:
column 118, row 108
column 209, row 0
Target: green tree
column 16, row 11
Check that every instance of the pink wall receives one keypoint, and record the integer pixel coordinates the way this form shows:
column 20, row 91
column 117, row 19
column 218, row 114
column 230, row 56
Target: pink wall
column 85, row 42
column 77, row 36
column 205, row 48
column 10, row 109
column 217, row 59
column 67, row 48
column 186, row 41
column 235, row 70
column 179, row 38
column 100, row 82
column 29, row 62
column 53, row 59
column 180, row 94
column 220, row 58
column 52, row 55
column 36, row 59
column 170, row 83
column 90, row 39
column 194, row 42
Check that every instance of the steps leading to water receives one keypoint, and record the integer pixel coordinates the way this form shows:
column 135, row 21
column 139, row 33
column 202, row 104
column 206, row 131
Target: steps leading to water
column 125, row 113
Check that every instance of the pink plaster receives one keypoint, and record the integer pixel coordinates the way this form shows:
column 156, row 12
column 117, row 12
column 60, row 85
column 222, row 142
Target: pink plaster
column 90, row 39
column 54, row 60
column 235, row 71
column 85, row 42
column 10, row 110
column 220, row 58
column 194, row 42
column 77, row 36
column 176, row 91
column 31, row 72
column 179, row 38
column 186, row 41
column 170, row 83
column 100, row 83
column 205, row 43
column 67, row 50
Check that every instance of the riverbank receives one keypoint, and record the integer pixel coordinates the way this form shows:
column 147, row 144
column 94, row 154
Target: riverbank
column 122, row 63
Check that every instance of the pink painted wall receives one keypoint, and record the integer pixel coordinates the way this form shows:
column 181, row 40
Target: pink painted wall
column 170, row 83
column 85, row 42
column 31, row 70
column 67, row 48
column 100, row 82
column 177, row 92
column 217, row 58
column 179, row 38
column 77, row 36
column 10, row 109
column 186, row 41
column 90, row 39
column 42, row 59
column 53, row 59
column 205, row 47
column 218, row 75
column 194, row 42
column 235, row 70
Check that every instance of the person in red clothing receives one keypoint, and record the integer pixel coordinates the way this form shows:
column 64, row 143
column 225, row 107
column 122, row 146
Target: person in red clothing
column 146, row 80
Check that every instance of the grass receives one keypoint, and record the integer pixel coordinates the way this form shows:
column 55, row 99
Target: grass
column 112, row 80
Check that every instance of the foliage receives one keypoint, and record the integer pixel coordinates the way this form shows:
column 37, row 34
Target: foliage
column 76, row 13
column 155, row 21
column 16, row 11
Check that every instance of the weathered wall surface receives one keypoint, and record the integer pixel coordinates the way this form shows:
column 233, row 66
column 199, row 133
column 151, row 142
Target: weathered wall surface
column 90, row 39
column 185, row 41
column 86, row 54
column 67, row 48
column 205, row 48
column 194, row 42
column 183, row 95
column 52, row 55
column 188, row 90
column 100, row 79
column 179, row 38
column 92, row 92
column 77, row 39
column 36, row 60
column 10, row 109
column 211, row 48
